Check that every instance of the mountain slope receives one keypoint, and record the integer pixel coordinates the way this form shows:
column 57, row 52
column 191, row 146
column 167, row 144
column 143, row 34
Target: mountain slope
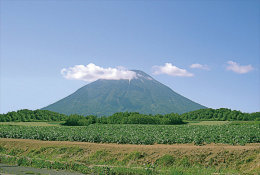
column 142, row 94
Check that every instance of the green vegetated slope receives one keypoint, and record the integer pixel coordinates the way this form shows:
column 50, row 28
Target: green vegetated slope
column 142, row 94
column 118, row 159
column 138, row 134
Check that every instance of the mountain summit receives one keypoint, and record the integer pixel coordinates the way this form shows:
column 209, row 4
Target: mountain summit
column 141, row 94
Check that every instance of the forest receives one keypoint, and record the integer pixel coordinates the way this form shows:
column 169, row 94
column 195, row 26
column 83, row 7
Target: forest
column 125, row 118
column 26, row 115
column 208, row 114
column 221, row 114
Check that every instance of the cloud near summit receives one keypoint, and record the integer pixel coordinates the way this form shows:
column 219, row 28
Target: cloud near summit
column 199, row 66
column 172, row 70
column 92, row 72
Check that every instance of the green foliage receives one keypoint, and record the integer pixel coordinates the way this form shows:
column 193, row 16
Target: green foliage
column 221, row 114
column 79, row 120
column 136, row 118
column 138, row 134
column 165, row 161
column 255, row 116
column 125, row 118
column 26, row 115
column 134, row 157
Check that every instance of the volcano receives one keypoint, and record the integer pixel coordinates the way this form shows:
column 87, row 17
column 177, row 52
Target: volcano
column 141, row 94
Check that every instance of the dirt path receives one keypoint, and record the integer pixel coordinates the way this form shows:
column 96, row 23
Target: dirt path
column 13, row 169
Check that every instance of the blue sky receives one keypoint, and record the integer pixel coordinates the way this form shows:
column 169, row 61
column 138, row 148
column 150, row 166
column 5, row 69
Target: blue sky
column 40, row 38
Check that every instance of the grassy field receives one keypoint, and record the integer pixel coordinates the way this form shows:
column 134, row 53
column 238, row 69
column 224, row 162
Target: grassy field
column 97, row 158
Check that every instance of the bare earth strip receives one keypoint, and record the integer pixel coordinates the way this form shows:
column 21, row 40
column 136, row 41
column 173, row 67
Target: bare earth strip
column 131, row 147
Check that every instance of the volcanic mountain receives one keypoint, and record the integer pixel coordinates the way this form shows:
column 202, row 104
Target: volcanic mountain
column 141, row 94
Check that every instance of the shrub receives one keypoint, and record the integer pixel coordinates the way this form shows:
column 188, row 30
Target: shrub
column 165, row 161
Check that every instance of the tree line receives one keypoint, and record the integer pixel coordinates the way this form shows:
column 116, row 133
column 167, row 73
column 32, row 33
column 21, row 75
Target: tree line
column 125, row 118
column 221, row 114
column 26, row 115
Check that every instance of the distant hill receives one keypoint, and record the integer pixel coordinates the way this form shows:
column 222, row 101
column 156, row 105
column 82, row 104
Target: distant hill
column 142, row 94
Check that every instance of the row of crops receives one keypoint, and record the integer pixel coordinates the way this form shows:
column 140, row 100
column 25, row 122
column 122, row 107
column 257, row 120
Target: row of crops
column 138, row 134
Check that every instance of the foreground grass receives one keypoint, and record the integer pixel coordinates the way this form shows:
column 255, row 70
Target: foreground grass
column 92, row 158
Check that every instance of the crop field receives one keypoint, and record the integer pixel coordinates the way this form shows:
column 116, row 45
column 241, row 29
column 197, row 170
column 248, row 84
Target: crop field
column 138, row 134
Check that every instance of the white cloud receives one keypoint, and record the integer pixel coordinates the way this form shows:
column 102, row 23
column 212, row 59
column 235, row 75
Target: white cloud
column 199, row 66
column 91, row 73
column 235, row 67
column 172, row 70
